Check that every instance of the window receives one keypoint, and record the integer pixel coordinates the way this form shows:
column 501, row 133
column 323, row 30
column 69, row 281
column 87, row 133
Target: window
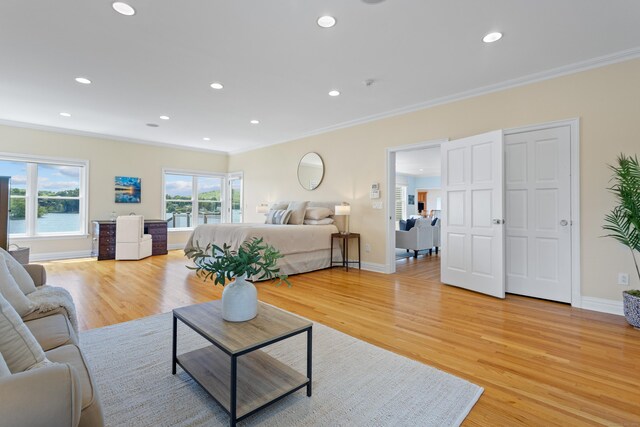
column 186, row 193
column 401, row 202
column 47, row 197
column 235, row 202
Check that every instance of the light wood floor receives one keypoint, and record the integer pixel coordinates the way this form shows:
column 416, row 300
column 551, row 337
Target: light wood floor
column 541, row 363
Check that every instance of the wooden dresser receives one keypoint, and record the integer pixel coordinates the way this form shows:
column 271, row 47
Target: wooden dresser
column 104, row 238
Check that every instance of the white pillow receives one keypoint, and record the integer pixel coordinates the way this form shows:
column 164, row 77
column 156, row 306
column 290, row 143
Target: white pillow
column 277, row 206
column 297, row 212
column 317, row 213
column 20, row 275
column 11, row 291
column 325, row 221
column 280, row 216
column 4, row 369
column 18, row 346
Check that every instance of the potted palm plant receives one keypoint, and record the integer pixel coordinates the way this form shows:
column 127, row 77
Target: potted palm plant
column 623, row 223
column 254, row 259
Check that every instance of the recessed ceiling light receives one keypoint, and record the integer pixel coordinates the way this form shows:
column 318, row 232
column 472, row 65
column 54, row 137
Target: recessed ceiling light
column 206, row 139
column 65, row 114
column 164, row 117
column 216, row 85
column 83, row 80
column 153, row 125
column 255, row 122
column 492, row 37
column 326, row 21
column 334, row 93
column 420, row 169
column 123, row 8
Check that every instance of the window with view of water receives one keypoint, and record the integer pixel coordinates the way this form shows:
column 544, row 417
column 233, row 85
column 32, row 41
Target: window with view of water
column 45, row 198
column 186, row 194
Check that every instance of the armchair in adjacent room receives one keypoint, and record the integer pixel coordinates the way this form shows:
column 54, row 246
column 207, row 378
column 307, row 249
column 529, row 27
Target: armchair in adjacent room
column 131, row 242
column 419, row 237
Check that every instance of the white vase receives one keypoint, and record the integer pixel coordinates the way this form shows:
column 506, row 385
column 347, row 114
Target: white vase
column 239, row 300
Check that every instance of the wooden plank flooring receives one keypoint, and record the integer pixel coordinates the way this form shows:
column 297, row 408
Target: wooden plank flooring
column 541, row 363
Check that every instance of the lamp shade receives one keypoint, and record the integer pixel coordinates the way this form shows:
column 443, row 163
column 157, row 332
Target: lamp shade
column 343, row 210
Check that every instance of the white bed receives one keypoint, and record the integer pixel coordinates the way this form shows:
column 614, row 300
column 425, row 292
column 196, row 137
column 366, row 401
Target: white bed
column 305, row 247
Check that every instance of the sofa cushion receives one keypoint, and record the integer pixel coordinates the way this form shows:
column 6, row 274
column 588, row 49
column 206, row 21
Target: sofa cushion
column 71, row 355
column 11, row 291
column 52, row 331
column 18, row 346
column 434, row 222
column 297, row 212
column 4, row 369
column 20, row 275
column 411, row 222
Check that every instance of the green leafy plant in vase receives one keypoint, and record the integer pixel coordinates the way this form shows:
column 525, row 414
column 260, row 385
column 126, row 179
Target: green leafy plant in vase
column 230, row 268
column 623, row 222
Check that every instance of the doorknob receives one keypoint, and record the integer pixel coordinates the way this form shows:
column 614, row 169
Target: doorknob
column 564, row 223
column 498, row 221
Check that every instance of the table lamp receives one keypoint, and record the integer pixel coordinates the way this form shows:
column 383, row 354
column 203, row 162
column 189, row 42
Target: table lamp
column 346, row 211
column 262, row 208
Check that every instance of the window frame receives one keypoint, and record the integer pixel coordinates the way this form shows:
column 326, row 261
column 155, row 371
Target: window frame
column 31, row 197
column 403, row 201
column 194, row 193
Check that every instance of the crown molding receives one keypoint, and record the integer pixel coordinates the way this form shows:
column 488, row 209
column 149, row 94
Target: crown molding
column 65, row 131
column 601, row 61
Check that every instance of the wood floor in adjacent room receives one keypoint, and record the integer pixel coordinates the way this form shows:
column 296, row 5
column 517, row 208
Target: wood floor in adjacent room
column 541, row 363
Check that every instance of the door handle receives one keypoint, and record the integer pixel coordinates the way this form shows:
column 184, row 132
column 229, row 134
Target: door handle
column 498, row 221
column 564, row 223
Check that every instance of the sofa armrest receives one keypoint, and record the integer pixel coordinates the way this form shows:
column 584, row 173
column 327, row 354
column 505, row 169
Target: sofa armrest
column 37, row 273
column 50, row 396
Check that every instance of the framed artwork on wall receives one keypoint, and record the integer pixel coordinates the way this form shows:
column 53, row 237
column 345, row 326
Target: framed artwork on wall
column 412, row 199
column 128, row 189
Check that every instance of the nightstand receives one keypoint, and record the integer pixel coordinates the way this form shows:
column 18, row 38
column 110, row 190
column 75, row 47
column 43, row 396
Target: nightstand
column 345, row 249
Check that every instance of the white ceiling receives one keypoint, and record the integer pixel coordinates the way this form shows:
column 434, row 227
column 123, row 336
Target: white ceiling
column 276, row 64
column 424, row 162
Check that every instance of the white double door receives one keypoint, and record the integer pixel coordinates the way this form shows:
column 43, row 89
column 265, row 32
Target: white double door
column 506, row 222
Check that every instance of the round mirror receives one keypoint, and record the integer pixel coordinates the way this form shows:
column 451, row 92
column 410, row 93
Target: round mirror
column 310, row 171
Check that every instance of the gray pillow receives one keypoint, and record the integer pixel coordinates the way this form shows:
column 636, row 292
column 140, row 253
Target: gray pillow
column 297, row 212
column 18, row 346
column 20, row 275
column 11, row 291
column 278, row 206
column 280, row 216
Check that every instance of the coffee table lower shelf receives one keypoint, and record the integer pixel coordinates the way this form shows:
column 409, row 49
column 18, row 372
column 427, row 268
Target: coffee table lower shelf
column 261, row 379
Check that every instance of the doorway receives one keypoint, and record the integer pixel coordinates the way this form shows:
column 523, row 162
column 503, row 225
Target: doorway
column 536, row 252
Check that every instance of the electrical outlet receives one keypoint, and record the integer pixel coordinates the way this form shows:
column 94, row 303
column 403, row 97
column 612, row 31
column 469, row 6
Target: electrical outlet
column 623, row 279
column 367, row 247
column 376, row 205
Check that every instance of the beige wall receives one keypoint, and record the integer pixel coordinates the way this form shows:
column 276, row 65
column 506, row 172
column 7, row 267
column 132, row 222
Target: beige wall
column 607, row 101
column 107, row 159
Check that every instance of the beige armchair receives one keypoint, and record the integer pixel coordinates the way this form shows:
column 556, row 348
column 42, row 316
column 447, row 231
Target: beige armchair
column 131, row 242
column 422, row 236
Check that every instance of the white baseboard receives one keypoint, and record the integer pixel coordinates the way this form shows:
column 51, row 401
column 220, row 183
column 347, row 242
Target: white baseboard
column 51, row 256
column 376, row 268
column 174, row 246
column 603, row 305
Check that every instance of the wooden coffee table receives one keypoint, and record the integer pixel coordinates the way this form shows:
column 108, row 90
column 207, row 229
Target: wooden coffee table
column 240, row 377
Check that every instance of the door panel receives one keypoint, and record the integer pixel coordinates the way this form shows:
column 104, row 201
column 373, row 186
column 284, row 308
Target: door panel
column 472, row 240
column 538, row 193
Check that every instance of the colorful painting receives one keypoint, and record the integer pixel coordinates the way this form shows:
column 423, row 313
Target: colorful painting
column 128, row 189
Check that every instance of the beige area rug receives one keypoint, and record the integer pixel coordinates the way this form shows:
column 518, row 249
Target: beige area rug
column 354, row 383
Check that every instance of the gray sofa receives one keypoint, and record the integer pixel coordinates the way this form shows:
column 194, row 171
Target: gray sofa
column 62, row 394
